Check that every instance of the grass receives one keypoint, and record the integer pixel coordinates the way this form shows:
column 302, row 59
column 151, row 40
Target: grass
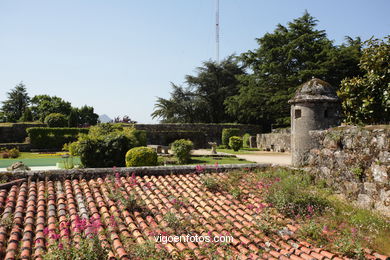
column 36, row 159
column 326, row 220
column 241, row 151
column 28, row 155
column 200, row 160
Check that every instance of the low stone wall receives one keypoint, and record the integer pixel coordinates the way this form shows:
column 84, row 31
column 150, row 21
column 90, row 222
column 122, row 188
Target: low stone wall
column 278, row 142
column 142, row 171
column 356, row 162
column 200, row 134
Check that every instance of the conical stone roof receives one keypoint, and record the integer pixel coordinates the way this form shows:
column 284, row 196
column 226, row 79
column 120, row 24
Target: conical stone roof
column 315, row 90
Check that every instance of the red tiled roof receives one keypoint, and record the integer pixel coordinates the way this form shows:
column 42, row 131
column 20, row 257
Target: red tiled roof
column 36, row 205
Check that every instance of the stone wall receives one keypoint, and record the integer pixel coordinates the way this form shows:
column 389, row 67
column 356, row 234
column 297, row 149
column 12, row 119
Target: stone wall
column 274, row 142
column 16, row 133
column 356, row 162
column 200, row 134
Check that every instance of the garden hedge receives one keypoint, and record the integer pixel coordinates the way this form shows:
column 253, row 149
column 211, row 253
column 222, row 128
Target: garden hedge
column 53, row 138
column 227, row 133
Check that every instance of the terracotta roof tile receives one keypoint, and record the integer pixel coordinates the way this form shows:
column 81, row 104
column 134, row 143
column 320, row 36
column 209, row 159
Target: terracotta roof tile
column 55, row 205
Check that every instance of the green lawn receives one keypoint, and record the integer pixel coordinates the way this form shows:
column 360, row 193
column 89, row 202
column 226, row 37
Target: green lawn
column 28, row 155
column 37, row 161
column 241, row 151
column 201, row 160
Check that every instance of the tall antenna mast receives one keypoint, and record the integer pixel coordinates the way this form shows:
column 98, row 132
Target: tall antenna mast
column 217, row 30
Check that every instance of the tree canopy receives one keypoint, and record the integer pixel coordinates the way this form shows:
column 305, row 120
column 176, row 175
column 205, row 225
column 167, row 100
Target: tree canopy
column 19, row 106
column 202, row 99
column 285, row 59
column 43, row 105
column 366, row 99
column 255, row 86
column 17, row 102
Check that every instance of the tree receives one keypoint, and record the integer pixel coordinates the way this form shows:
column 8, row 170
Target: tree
column 366, row 99
column 202, row 99
column 87, row 116
column 285, row 59
column 43, row 105
column 16, row 104
column 27, row 115
column 73, row 118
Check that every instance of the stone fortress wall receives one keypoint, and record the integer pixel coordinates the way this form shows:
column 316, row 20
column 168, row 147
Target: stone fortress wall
column 355, row 161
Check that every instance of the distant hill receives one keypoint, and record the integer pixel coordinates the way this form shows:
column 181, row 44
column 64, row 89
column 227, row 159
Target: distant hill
column 104, row 118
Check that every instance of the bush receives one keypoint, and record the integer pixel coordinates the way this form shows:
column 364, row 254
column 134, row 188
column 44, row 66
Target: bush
column 292, row 193
column 141, row 156
column 53, row 138
column 245, row 140
column 14, row 153
column 227, row 133
column 56, row 120
column 235, row 142
column 182, row 150
column 106, row 145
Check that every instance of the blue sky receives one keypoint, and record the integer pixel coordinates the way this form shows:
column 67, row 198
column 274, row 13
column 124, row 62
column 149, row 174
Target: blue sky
column 119, row 55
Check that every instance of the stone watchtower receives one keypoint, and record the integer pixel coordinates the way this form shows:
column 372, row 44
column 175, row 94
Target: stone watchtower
column 315, row 106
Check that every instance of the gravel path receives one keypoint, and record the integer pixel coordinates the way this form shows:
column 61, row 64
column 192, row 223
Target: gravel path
column 257, row 156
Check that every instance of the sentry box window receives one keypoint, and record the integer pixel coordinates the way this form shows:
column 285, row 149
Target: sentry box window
column 298, row 113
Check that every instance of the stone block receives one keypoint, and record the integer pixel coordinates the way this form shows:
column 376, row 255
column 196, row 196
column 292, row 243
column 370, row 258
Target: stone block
column 380, row 173
column 365, row 201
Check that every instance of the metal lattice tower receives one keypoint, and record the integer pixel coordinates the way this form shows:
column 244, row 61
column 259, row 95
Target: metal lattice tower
column 217, row 30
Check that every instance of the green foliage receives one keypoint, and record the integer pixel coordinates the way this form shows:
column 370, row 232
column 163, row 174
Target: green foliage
column 235, row 142
column 141, row 156
column 290, row 194
column 27, row 116
column 43, row 105
column 182, row 150
column 227, row 133
column 245, row 140
column 73, row 118
column 14, row 153
column 16, row 103
column 285, row 59
column 106, row 145
column 141, row 137
column 366, row 99
column 87, row 116
column 203, row 98
column 211, row 183
column 56, row 120
column 53, row 138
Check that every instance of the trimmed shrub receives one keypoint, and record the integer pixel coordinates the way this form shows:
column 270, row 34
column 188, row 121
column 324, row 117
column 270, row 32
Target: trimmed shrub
column 140, row 135
column 56, row 120
column 245, row 140
column 235, row 142
column 227, row 133
column 53, row 138
column 182, row 150
column 141, row 156
column 105, row 145
column 14, row 153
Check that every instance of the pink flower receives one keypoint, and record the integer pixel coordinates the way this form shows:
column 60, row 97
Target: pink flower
column 133, row 181
column 54, row 236
column 46, row 231
column 112, row 221
column 310, row 209
column 199, row 168
column 250, row 206
column 325, row 229
column 60, row 246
